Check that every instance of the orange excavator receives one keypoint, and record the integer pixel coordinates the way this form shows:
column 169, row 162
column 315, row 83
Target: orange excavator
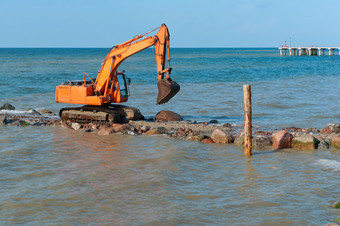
column 112, row 86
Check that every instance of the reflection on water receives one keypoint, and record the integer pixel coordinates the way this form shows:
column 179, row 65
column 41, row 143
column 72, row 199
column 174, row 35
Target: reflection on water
column 52, row 175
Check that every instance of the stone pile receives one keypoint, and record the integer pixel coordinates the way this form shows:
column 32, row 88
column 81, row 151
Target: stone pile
column 171, row 124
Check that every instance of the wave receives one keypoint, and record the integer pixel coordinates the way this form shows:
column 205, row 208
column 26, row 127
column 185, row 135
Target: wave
column 329, row 164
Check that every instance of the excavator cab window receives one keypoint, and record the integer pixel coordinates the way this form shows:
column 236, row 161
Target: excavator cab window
column 123, row 85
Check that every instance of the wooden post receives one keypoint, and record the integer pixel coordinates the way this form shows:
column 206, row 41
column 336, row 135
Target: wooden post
column 247, row 120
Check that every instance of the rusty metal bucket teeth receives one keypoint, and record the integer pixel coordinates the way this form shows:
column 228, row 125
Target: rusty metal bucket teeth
column 166, row 90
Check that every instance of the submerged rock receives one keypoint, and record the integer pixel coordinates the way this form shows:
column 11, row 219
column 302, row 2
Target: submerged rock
column 282, row 139
column 45, row 111
column 305, row 142
column 207, row 141
column 168, row 116
column 23, row 123
column 336, row 205
column 153, row 131
column 7, row 106
column 105, row 130
column 198, row 137
column 222, row 137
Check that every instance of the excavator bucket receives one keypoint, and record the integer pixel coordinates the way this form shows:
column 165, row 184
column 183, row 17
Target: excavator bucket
column 166, row 90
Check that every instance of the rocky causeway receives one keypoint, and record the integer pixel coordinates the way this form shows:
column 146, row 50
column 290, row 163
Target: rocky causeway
column 171, row 124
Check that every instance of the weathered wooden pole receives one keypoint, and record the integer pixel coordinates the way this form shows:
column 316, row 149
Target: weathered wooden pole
column 247, row 120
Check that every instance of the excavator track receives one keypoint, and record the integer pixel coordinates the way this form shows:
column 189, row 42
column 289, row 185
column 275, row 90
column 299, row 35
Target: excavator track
column 88, row 114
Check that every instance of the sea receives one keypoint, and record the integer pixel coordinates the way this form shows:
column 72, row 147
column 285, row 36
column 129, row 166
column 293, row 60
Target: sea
column 50, row 175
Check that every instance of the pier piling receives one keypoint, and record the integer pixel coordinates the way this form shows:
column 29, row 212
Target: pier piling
column 247, row 120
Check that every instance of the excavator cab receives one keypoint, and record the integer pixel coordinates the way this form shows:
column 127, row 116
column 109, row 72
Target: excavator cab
column 167, row 88
column 124, row 83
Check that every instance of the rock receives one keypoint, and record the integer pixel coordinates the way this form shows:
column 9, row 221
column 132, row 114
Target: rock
column 153, row 131
column 129, row 113
column 222, row 137
column 144, row 128
column 213, row 121
column 75, row 126
column 33, row 111
column 3, row 120
column 326, row 130
column 294, row 129
column 105, row 130
column 305, row 142
column 334, row 127
column 195, row 138
column 167, row 116
column 131, row 132
column 66, row 125
column 336, row 142
column 226, row 125
column 207, row 141
column 119, row 127
column 324, row 144
column 87, row 130
column 23, row 123
column 262, row 142
column 282, row 139
column 239, row 140
column 336, row 205
column 45, row 111
column 7, row 106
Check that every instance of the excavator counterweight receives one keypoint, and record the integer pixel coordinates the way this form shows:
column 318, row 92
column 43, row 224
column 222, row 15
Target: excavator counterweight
column 111, row 86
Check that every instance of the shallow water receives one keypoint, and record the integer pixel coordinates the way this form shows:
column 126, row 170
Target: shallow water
column 53, row 175
column 67, row 177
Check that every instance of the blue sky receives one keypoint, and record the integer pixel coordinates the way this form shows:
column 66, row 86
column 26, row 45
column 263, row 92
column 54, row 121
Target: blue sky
column 192, row 23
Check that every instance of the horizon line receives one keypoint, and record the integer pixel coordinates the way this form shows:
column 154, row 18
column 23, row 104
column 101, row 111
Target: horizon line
column 93, row 47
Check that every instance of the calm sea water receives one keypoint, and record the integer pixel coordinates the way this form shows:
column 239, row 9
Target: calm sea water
column 52, row 175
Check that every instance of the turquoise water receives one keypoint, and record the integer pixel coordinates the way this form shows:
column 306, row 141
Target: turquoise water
column 287, row 91
column 53, row 175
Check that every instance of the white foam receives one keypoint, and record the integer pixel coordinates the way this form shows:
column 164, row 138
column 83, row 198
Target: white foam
column 329, row 164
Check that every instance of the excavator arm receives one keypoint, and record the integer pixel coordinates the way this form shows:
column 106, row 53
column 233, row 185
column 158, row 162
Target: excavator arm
column 107, row 75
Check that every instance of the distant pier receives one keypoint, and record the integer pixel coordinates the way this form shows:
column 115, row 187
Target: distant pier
column 309, row 51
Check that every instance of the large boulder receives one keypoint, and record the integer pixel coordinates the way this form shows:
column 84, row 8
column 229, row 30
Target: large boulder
column 222, row 137
column 262, row 142
column 305, row 142
column 167, row 116
column 7, row 106
column 129, row 113
column 336, row 142
column 282, row 139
